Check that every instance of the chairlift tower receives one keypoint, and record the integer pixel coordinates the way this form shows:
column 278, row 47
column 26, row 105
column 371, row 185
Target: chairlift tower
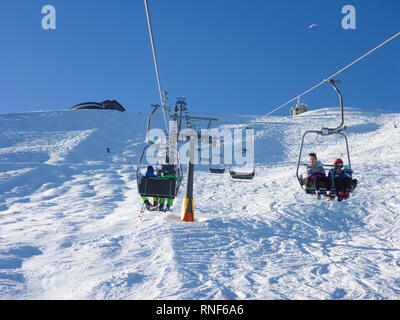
column 180, row 109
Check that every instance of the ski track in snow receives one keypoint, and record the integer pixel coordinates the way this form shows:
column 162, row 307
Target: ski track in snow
column 70, row 226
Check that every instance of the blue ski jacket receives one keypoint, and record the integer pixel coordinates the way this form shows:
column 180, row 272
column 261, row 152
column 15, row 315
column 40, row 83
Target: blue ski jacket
column 346, row 173
column 150, row 174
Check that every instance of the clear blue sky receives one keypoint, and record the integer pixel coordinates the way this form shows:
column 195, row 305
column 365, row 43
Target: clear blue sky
column 224, row 56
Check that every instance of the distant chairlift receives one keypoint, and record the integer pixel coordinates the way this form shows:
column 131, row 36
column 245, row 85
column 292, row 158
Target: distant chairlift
column 190, row 124
column 242, row 173
column 217, row 168
column 326, row 132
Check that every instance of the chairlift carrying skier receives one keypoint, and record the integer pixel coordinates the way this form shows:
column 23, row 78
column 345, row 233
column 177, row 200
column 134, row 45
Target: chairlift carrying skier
column 341, row 177
column 316, row 176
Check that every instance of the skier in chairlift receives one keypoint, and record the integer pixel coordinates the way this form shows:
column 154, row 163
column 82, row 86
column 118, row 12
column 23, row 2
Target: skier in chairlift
column 316, row 176
column 341, row 177
column 149, row 206
column 167, row 174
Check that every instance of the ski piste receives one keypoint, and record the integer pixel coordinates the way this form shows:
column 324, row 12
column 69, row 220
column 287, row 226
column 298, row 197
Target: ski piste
column 66, row 200
column 240, row 225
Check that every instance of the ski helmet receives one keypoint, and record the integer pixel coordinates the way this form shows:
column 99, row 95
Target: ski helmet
column 337, row 161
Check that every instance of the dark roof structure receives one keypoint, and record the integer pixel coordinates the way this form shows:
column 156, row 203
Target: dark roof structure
column 105, row 105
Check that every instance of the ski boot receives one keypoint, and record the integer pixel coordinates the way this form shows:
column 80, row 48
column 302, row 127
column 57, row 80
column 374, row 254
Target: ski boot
column 147, row 205
column 329, row 196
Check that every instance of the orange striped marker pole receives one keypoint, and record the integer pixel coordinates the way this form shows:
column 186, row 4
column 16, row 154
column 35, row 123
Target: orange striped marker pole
column 188, row 210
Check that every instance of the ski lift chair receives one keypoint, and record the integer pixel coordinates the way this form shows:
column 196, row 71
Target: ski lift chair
column 310, row 189
column 241, row 175
column 216, row 169
column 219, row 170
column 158, row 186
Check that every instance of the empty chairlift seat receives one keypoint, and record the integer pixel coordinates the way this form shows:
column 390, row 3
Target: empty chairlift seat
column 217, row 170
column 242, row 175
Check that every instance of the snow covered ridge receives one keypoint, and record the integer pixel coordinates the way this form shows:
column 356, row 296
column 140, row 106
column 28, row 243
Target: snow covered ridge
column 69, row 226
column 55, row 144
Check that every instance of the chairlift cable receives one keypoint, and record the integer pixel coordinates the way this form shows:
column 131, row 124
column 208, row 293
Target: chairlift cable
column 162, row 98
column 334, row 75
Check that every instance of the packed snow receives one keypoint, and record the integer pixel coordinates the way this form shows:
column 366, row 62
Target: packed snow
column 70, row 225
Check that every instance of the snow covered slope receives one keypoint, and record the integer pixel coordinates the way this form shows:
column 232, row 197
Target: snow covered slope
column 69, row 226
